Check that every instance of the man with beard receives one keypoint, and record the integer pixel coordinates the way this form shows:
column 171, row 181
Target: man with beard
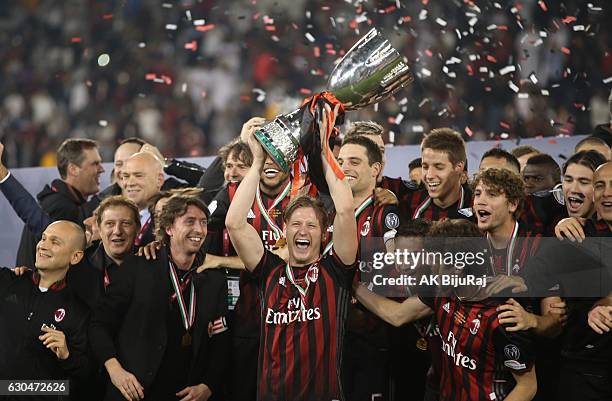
column 304, row 300
column 366, row 350
column 44, row 328
column 80, row 166
column 480, row 359
column 161, row 330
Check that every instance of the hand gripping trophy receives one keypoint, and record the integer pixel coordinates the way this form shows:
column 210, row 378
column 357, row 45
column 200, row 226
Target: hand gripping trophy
column 371, row 71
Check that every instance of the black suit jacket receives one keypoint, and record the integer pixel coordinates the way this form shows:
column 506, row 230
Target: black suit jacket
column 130, row 323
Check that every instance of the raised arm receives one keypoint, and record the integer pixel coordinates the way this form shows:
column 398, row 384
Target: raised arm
column 23, row 203
column 345, row 226
column 392, row 312
column 246, row 240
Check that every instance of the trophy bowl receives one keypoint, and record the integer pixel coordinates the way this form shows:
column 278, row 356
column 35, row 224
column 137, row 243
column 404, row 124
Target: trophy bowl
column 371, row 71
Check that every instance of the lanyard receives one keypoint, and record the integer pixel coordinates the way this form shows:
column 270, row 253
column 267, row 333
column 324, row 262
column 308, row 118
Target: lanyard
column 358, row 212
column 510, row 249
column 187, row 316
column 423, row 206
column 302, row 290
column 265, row 212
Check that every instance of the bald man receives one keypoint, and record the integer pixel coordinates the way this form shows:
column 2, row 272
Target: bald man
column 142, row 178
column 42, row 325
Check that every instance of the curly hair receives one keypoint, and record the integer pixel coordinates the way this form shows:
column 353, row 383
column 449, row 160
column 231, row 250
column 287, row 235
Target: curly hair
column 176, row 207
column 504, row 182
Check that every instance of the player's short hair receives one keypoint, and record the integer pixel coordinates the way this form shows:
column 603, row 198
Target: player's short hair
column 307, row 201
column 176, row 207
column 591, row 140
column 118, row 201
column 364, row 128
column 500, row 153
column 416, row 163
column 239, row 150
column 548, row 162
column 590, row 159
column 448, row 141
column 505, row 182
column 413, row 228
column 523, row 150
column 134, row 140
column 372, row 150
column 72, row 151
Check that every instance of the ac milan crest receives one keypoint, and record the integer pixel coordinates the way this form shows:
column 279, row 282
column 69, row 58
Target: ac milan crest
column 365, row 229
column 59, row 314
column 313, row 273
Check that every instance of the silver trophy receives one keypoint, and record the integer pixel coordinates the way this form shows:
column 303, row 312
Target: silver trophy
column 371, row 71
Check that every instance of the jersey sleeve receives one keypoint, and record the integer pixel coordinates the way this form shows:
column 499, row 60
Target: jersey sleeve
column 218, row 211
column 266, row 264
column 516, row 350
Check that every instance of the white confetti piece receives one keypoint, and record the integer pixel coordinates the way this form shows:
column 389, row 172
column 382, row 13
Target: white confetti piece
column 426, row 72
column 199, row 22
column 513, row 86
column 310, row 38
column 440, row 21
column 261, row 94
column 166, row 5
column 171, row 27
column 184, row 88
column 103, row 123
column 491, row 27
column 188, row 15
column 578, row 28
column 507, row 69
column 607, row 80
column 523, row 95
column 545, row 92
column 472, row 21
column 399, row 118
column 403, row 101
column 483, row 69
column 533, row 78
column 423, row 15
column 417, row 128
column 543, row 34
column 504, row 135
column 142, row 45
column 453, row 60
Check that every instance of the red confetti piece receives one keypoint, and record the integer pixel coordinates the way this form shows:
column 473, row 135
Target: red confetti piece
column 389, row 9
column 329, row 45
column 469, row 131
column 193, row 45
column 542, row 5
column 428, row 52
column 167, row 79
column 569, row 19
column 425, row 2
column 317, row 51
column 391, row 120
column 504, row 125
column 245, row 97
column 256, row 16
column 325, row 8
column 407, row 18
column 470, row 69
column 488, row 89
column 305, row 91
column 552, row 141
column 502, row 27
column 75, row 40
column 270, row 28
column 107, row 16
column 204, row 28
column 564, row 130
column 331, row 51
column 150, row 76
column 295, row 26
column 491, row 58
column 565, row 50
column 353, row 24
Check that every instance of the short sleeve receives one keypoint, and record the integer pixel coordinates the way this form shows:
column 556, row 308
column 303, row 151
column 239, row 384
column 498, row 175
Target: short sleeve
column 515, row 349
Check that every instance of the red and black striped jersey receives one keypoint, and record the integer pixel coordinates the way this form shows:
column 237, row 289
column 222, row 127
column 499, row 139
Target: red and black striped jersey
column 541, row 212
column 522, row 246
column 303, row 321
column 269, row 225
column 416, row 203
column 477, row 353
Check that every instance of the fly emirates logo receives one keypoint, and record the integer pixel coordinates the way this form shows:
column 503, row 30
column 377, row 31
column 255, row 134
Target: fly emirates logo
column 296, row 312
column 449, row 347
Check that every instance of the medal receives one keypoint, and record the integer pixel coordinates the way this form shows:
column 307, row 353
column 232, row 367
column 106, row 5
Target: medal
column 421, row 344
column 186, row 340
column 282, row 241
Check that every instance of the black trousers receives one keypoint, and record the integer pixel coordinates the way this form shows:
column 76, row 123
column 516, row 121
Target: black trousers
column 245, row 352
column 365, row 371
column 583, row 381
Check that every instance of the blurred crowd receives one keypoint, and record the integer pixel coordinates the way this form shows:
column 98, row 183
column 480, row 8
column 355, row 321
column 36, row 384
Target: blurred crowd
column 183, row 75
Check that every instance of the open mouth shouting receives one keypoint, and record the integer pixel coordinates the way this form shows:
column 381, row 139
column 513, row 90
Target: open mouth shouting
column 483, row 216
column 302, row 244
column 575, row 201
column 271, row 172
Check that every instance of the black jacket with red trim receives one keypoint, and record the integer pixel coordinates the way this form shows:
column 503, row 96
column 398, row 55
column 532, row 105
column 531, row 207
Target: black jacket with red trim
column 24, row 308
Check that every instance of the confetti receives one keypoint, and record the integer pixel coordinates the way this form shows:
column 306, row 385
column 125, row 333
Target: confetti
column 513, row 86
column 166, row 5
column 440, row 21
column 188, row 15
column 533, row 78
column 184, row 87
column 569, row 19
column 171, row 27
column 199, row 22
column 204, row 28
column 261, row 94
column 418, row 128
column 425, row 72
column 193, row 45
column 399, row 119
column 103, row 60
column 75, row 40
column 468, row 131
column 507, row 69
column 423, row 15
column 305, row 91
column 545, row 92
column 103, row 123
column 310, row 38
column 504, row 135
column 607, row 80
column 523, row 96
column 578, row 28
column 542, row 5
column 142, row 45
